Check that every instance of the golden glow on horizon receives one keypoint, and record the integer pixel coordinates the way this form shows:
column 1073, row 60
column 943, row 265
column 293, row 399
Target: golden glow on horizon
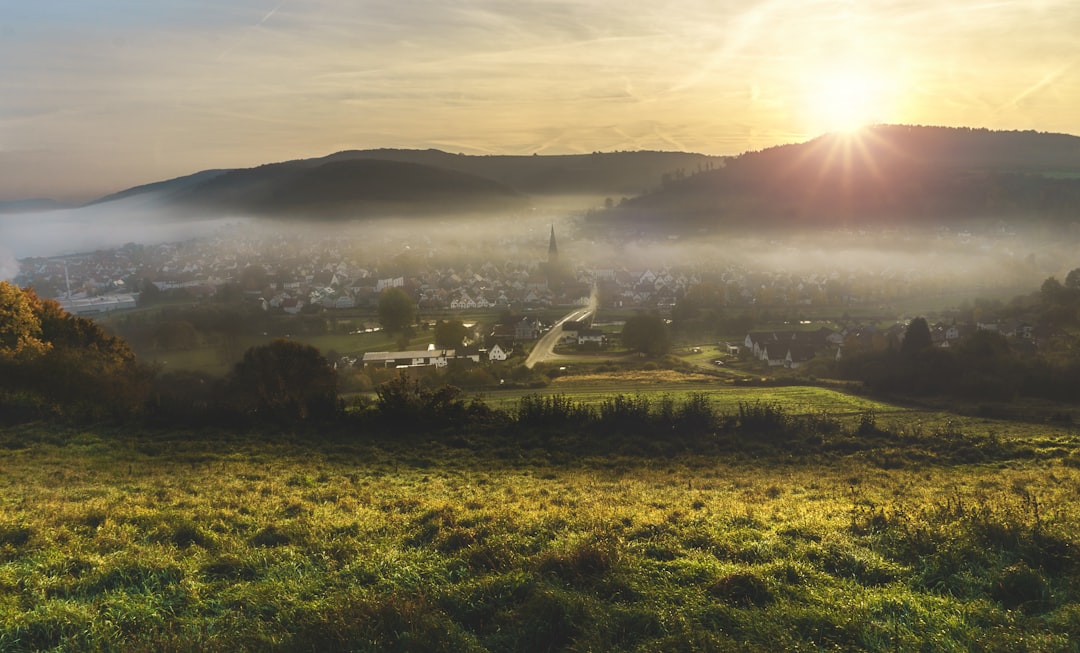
column 99, row 98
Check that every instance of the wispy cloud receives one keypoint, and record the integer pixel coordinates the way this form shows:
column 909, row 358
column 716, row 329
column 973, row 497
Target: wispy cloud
column 172, row 86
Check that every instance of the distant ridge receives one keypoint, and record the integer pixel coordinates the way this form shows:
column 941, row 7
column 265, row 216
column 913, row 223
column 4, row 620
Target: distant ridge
column 599, row 173
column 168, row 186
column 362, row 183
column 32, row 205
column 347, row 188
column 886, row 174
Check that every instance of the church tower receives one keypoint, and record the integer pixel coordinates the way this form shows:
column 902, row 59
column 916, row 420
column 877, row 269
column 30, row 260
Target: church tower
column 553, row 249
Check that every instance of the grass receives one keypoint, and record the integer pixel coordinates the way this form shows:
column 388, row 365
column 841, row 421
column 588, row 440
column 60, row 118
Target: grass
column 132, row 541
column 210, row 361
column 595, row 388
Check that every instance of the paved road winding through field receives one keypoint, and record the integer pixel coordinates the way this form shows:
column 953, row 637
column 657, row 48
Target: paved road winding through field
column 544, row 349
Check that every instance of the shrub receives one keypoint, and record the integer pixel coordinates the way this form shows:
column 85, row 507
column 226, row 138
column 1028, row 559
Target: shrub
column 551, row 411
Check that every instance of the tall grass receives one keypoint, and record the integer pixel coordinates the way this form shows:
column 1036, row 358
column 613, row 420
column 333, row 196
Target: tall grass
column 135, row 541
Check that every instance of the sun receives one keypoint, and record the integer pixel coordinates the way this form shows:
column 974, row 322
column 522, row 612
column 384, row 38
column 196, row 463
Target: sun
column 845, row 100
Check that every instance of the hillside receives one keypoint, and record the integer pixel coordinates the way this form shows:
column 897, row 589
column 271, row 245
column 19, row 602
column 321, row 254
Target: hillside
column 359, row 183
column 601, row 173
column 880, row 175
column 346, row 188
column 161, row 187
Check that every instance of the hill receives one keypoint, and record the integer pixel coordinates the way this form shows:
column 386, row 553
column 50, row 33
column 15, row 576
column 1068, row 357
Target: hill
column 599, row 173
column 345, row 188
column 32, row 206
column 880, row 175
column 162, row 187
column 360, row 183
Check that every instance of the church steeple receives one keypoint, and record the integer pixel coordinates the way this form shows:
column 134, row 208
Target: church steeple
column 553, row 249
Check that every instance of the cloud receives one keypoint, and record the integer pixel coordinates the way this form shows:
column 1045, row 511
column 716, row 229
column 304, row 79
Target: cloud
column 171, row 87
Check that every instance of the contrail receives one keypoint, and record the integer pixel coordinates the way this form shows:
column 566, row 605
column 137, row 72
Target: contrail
column 270, row 15
column 1047, row 80
column 243, row 38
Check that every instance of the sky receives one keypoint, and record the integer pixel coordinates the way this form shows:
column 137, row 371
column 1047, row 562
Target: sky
column 101, row 95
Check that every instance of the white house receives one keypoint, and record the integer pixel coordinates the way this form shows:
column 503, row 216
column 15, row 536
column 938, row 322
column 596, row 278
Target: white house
column 394, row 282
column 585, row 336
column 497, row 353
column 420, row 358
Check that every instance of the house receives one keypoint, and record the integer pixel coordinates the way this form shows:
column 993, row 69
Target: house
column 463, row 302
column 591, row 336
column 417, row 358
column 798, row 355
column 502, row 334
column 292, row 305
column 468, row 353
column 497, row 353
column 570, row 329
column 392, row 282
column 773, row 346
column 526, row 329
column 771, row 354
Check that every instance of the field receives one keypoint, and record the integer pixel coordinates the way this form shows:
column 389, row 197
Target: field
column 168, row 541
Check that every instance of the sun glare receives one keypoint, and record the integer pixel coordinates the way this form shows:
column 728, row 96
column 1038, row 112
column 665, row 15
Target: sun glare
column 846, row 101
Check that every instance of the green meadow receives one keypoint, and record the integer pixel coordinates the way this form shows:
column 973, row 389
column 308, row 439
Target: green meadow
column 125, row 539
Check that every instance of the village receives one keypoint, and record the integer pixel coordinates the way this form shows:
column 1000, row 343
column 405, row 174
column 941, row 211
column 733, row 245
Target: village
column 292, row 275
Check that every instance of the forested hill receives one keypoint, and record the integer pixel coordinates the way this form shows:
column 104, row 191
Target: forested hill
column 347, row 189
column 386, row 182
column 600, row 173
column 879, row 175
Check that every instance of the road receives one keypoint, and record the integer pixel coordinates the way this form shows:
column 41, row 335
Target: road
column 544, row 349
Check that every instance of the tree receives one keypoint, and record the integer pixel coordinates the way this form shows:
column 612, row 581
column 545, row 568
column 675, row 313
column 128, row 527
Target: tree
column 646, row 333
column 1072, row 279
column 20, row 326
column 450, row 334
column 283, row 381
column 1052, row 292
column 916, row 337
column 397, row 310
column 78, row 368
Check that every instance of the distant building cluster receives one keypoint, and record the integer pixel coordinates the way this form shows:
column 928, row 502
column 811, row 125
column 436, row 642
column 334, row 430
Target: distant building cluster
column 290, row 273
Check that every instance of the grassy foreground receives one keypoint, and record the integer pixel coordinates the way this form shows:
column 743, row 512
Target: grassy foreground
column 180, row 542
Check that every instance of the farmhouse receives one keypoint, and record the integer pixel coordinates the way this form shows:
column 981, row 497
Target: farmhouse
column 497, row 353
column 788, row 348
column 526, row 329
column 591, row 336
column 418, row 358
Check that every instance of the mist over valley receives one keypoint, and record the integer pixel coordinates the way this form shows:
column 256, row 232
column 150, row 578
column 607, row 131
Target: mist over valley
column 504, row 327
column 949, row 210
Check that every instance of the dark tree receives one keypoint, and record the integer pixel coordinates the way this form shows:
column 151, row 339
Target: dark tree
column 646, row 333
column 283, row 381
column 916, row 337
column 79, row 370
column 450, row 334
column 1072, row 279
column 397, row 310
column 1052, row 292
